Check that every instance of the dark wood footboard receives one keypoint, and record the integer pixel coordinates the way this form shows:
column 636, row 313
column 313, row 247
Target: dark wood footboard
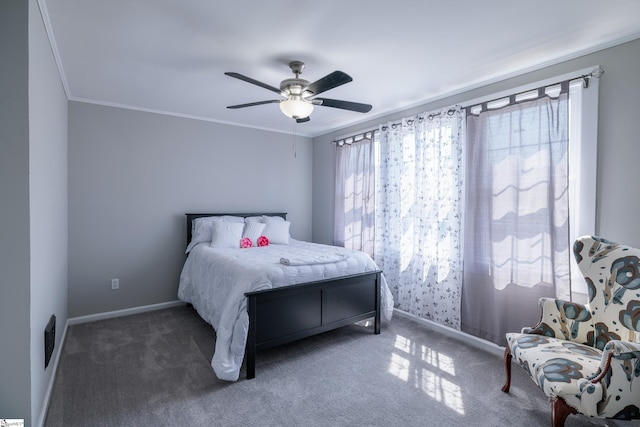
column 282, row 315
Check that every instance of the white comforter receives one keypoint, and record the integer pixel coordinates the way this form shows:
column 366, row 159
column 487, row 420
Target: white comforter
column 215, row 280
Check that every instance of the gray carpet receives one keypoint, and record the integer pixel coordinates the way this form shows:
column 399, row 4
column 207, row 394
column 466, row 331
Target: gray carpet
column 153, row 369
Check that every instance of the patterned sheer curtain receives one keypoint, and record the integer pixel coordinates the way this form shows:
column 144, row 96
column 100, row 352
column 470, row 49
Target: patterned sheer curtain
column 517, row 231
column 354, row 194
column 418, row 214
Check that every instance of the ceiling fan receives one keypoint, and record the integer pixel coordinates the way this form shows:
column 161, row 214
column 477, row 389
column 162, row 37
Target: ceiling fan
column 300, row 95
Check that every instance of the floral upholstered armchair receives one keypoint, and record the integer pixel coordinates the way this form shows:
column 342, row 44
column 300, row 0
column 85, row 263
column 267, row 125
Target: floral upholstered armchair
column 585, row 357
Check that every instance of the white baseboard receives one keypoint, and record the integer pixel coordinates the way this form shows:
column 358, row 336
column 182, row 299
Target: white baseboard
column 124, row 312
column 47, row 396
column 471, row 340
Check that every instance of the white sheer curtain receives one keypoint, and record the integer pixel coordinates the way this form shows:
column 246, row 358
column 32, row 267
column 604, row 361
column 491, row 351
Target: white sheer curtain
column 354, row 196
column 517, row 246
column 418, row 214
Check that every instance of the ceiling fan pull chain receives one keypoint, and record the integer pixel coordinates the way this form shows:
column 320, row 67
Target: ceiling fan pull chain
column 294, row 146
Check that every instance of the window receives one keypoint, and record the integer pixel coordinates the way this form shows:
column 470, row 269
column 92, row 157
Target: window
column 413, row 268
column 526, row 189
column 583, row 155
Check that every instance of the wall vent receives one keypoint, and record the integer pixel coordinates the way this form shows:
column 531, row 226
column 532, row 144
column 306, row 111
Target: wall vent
column 49, row 340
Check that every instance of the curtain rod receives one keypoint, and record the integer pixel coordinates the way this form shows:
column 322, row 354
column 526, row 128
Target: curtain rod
column 366, row 134
column 595, row 73
column 350, row 139
column 422, row 116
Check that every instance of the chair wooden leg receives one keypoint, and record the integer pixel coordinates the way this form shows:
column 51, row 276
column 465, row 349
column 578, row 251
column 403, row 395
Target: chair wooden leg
column 560, row 411
column 507, row 368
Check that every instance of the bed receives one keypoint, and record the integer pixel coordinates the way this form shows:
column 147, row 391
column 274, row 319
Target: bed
column 261, row 297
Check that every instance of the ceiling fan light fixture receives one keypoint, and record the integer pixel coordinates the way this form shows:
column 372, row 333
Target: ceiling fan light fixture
column 300, row 95
column 296, row 108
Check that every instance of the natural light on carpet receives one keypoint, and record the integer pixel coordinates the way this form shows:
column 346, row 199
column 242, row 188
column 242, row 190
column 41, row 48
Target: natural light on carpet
column 430, row 371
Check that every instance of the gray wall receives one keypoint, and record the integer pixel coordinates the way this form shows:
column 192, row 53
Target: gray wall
column 617, row 196
column 33, row 212
column 48, row 203
column 133, row 175
column 14, row 211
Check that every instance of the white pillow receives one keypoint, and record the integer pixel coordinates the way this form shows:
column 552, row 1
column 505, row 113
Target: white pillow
column 226, row 234
column 200, row 232
column 201, row 228
column 261, row 218
column 277, row 231
column 230, row 218
column 253, row 230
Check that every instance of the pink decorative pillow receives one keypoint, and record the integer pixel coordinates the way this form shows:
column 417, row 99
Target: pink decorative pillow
column 246, row 242
column 263, row 241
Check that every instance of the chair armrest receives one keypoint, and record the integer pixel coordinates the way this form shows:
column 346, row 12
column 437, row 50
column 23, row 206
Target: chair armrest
column 561, row 319
column 616, row 376
column 618, row 352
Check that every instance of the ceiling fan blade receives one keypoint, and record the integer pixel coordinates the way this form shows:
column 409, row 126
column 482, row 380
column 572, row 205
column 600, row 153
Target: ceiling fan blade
column 302, row 120
column 253, row 81
column 251, row 104
column 345, row 105
column 335, row 79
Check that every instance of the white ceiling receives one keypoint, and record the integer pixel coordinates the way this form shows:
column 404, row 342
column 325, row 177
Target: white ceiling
column 170, row 56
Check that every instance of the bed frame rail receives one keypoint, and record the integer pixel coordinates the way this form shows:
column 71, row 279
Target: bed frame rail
column 282, row 315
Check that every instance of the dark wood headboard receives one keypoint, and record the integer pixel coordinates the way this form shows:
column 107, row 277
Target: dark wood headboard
column 192, row 216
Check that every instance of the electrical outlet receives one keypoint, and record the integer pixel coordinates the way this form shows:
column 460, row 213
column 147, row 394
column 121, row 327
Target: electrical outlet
column 115, row 283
